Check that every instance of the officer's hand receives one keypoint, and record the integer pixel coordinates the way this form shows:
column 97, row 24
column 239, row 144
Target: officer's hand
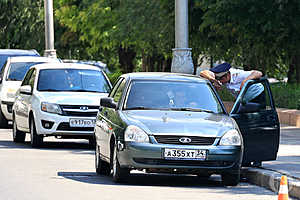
column 217, row 84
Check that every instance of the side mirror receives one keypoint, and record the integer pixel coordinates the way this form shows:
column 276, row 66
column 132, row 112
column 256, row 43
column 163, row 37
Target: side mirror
column 249, row 107
column 26, row 89
column 108, row 102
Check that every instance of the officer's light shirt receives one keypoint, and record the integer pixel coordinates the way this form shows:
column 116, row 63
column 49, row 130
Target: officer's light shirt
column 237, row 77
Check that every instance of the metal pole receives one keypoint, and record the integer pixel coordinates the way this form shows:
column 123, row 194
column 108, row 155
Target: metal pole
column 49, row 29
column 182, row 56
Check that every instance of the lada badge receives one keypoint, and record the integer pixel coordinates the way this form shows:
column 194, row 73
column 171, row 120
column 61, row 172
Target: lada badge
column 185, row 140
column 84, row 108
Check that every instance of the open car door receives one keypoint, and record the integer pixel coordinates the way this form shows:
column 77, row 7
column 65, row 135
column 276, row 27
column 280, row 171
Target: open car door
column 258, row 122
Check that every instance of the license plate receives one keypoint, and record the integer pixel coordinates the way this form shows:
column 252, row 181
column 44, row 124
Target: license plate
column 185, row 154
column 82, row 122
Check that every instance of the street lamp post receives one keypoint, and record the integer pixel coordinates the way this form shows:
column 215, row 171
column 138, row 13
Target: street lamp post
column 182, row 55
column 49, row 29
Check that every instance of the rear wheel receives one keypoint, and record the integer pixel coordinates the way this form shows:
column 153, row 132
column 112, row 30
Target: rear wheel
column 18, row 136
column 36, row 140
column 119, row 174
column 231, row 179
column 3, row 120
column 102, row 167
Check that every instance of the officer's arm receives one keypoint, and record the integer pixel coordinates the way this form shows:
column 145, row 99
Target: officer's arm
column 254, row 75
column 211, row 77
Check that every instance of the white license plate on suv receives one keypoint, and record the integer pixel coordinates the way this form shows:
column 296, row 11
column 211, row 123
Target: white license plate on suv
column 82, row 122
column 185, row 154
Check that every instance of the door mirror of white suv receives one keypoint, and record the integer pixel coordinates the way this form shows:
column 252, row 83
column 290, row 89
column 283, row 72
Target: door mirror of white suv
column 25, row 89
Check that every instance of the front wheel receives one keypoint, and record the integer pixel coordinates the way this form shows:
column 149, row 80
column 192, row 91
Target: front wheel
column 119, row 174
column 18, row 136
column 231, row 179
column 36, row 140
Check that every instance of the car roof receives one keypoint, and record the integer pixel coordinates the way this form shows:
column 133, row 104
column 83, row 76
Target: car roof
column 65, row 66
column 164, row 76
column 33, row 59
column 12, row 52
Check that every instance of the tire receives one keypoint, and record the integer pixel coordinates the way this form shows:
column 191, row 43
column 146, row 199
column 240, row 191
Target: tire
column 3, row 120
column 102, row 167
column 119, row 174
column 36, row 140
column 92, row 142
column 231, row 179
column 203, row 176
column 18, row 136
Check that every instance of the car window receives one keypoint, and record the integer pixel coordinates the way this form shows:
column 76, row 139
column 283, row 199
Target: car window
column 32, row 78
column 118, row 93
column 83, row 80
column 27, row 77
column 172, row 95
column 115, row 87
column 17, row 70
column 256, row 98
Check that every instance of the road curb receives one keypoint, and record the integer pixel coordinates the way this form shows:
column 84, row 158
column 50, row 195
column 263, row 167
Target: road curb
column 271, row 180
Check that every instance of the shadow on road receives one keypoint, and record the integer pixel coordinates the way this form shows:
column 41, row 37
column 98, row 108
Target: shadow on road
column 138, row 179
column 75, row 147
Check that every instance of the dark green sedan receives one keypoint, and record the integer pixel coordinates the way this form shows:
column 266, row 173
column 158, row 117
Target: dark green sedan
column 176, row 123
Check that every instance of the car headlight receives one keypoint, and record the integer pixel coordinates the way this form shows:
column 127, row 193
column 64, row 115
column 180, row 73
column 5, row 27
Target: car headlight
column 135, row 134
column 231, row 137
column 51, row 108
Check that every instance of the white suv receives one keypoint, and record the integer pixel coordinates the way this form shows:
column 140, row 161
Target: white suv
column 11, row 77
column 59, row 100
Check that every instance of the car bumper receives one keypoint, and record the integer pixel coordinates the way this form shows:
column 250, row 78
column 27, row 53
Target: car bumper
column 151, row 156
column 49, row 124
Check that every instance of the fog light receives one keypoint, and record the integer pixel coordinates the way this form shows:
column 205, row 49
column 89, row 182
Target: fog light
column 47, row 124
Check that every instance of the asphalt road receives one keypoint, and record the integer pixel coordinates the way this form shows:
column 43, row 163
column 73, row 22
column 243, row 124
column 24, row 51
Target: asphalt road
column 64, row 169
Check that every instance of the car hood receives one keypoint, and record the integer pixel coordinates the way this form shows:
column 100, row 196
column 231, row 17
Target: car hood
column 72, row 98
column 180, row 122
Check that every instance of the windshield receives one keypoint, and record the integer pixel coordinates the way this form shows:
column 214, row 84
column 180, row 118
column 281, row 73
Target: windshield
column 82, row 80
column 18, row 70
column 172, row 95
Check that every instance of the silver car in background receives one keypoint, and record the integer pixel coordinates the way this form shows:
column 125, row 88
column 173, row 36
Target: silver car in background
column 11, row 77
column 59, row 99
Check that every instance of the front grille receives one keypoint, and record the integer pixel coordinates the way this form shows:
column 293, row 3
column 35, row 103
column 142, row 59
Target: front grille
column 79, row 110
column 195, row 140
column 197, row 163
column 65, row 126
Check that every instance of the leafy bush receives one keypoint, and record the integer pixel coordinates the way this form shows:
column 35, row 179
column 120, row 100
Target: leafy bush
column 286, row 95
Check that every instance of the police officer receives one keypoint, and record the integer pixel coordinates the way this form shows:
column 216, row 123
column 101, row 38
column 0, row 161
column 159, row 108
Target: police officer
column 234, row 80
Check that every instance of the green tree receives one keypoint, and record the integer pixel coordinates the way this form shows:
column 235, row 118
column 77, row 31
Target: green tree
column 255, row 34
column 21, row 24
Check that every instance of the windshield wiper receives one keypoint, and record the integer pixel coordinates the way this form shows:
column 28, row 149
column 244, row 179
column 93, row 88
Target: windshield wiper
column 13, row 79
column 193, row 110
column 51, row 90
column 139, row 108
